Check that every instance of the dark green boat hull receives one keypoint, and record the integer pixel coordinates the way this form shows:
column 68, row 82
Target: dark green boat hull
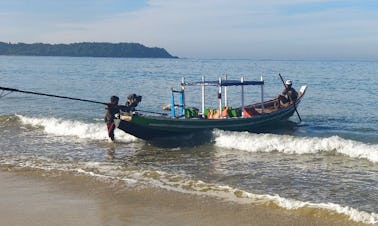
column 150, row 127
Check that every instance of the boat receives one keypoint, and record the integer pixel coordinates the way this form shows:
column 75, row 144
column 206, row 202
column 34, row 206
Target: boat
column 185, row 120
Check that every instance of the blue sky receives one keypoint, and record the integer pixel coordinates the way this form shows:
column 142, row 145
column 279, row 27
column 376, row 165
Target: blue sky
column 269, row 29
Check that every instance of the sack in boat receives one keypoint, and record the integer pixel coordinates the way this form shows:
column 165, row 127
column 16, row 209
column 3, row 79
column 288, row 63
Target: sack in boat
column 208, row 113
column 249, row 112
column 211, row 113
column 225, row 111
column 191, row 112
column 233, row 112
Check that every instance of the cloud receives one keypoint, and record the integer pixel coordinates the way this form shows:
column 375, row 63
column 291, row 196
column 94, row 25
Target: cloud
column 234, row 29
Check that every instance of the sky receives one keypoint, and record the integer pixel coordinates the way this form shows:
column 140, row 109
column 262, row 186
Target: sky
column 216, row 29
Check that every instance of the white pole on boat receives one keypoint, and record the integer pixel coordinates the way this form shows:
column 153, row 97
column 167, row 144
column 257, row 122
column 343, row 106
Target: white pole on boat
column 262, row 95
column 242, row 95
column 203, row 95
column 225, row 94
column 182, row 108
column 220, row 97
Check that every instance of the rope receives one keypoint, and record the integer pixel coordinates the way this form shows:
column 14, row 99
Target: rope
column 7, row 91
column 10, row 90
column 4, row 93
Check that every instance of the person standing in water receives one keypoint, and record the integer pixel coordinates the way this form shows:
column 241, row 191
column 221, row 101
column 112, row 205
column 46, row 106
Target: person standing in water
column 111, row 110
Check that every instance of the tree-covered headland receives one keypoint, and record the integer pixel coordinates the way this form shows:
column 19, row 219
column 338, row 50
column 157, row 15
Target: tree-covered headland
column 84, row 49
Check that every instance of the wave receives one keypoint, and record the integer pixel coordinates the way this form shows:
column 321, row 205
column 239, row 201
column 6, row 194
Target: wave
column 72, row 128
column 295, row 145
column 183, row 184
column 134, row 177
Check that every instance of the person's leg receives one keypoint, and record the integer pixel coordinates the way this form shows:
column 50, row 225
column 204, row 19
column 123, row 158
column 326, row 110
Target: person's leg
column 111, row 128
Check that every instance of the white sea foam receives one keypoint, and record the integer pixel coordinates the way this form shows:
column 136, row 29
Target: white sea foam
column 61, row 127
column 295, row 145
column 180, row 183
column 183, row 184
column 353, row 214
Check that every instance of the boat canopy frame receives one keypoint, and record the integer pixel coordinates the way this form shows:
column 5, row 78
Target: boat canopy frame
column 221, row 84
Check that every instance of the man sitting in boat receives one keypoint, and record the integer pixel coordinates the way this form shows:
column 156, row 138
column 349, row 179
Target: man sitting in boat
column 289, row 95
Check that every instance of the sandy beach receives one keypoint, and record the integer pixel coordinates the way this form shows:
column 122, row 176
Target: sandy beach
column 40, row 198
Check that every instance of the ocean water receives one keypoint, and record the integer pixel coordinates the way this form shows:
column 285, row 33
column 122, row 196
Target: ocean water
column 328, row 162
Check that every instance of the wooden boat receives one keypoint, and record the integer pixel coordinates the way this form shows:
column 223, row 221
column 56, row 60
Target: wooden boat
column 251, row 117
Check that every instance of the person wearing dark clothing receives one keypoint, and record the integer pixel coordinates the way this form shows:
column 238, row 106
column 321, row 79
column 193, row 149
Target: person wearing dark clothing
column 111, row 110
column 289, row 94
column 132, row 102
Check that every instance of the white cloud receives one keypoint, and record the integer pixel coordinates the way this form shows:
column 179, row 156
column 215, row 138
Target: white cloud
column 239, row 28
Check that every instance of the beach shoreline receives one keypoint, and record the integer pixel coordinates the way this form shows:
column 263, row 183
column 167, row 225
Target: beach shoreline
column 37, row 197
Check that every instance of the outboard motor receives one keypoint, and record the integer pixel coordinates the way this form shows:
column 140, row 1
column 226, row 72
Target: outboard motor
column 132, row 102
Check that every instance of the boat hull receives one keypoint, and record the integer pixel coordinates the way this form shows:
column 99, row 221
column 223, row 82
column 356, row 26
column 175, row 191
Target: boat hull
column 149, row 127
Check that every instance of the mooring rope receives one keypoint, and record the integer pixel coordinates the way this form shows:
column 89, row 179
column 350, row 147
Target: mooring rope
column 10, row 90
column 6, row 91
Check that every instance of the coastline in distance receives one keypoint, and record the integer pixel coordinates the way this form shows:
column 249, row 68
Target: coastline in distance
column 84, row 49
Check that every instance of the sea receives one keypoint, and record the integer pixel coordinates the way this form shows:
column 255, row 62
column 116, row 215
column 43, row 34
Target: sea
column 326, row 162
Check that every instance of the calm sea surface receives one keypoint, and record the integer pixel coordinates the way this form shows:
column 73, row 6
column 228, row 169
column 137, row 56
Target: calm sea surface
column 329, row 161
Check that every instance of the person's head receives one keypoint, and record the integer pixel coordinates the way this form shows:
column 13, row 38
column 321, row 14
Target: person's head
column 114, row 100
column 288, row 83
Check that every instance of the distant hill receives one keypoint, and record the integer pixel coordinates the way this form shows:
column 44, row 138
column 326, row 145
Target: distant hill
column 84, row 49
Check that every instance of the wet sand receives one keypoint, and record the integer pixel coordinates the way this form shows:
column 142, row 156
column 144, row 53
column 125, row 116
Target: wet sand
column 45, row 198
